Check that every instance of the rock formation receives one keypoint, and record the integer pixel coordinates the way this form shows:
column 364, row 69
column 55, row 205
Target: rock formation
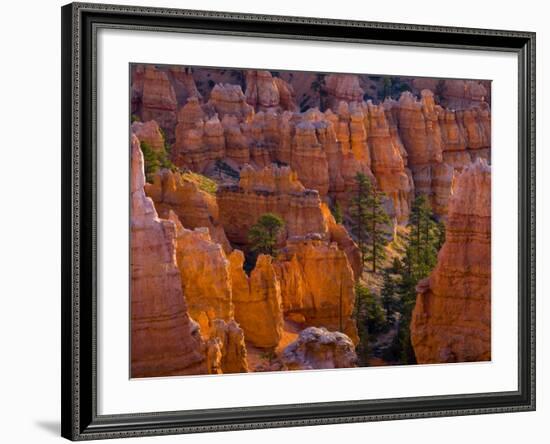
column 353, row 155
column 159, row 100
column 199, row 139
column 194, row 207
column 228, row 99
column 270, row 190
column 318, row 348
column 205, row 277
column 437, row 141
column 456, row 94
column 150, row 133
column 183, row 83
column 388, row 163
column 342, row 88
column 451, row 320
column 227, row 348
column 261, row 90
column 257, row 300
column 317, row 283
column 241, row 155
column 339, row 234
column 287, row 96
column 165, row 341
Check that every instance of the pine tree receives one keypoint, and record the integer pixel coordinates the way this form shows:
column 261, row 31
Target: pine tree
column 440, row 235
column 358, row 212
column 360, row 317
column 336, row 211
column 387, row 295
column 369, row 318
column 263, row 234
column 423, row 243
column 377, row 222
column 369, row 221
column 423, row 239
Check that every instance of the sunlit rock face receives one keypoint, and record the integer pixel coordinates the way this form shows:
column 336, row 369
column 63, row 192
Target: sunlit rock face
column 165, row 341
column 270, row 190
column 257, row 300
column 158, row 100
column 228, row 99
column 388, row 162
column 267, row 93
column 227, row 348
column 150, row 133
column 205, row 277
column 194, row 207
column 452, row 317
column 317, row 282
column 400, row 144
column 438, row 141
column 199, row 139
column 318, row 348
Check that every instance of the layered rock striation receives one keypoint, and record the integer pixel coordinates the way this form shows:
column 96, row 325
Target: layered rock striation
column 451, row 320
column 342, row 88
column 150, row 133
column 227, row 349
column 317, row 283
column 158, row 100
column 194, row 207
column 270, row 190
column 257, row 301
column 165, row 340
column 439, row 141
column 205, row 277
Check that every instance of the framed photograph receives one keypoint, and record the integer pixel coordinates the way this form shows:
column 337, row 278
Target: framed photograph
column 278, row 221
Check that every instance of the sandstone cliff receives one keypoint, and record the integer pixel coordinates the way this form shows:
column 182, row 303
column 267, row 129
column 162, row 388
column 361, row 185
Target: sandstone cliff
column 228, row 99
column 317, row 282
column 438, row 141
column 158, row 100
column 227, row 348
column 451, row 321
column 455, row 93
column 342, row 88
column 257, row 301
column 221, row 130
column 388, row 162
column 270, row 190
column 205, row 277
column 165, row 341
column 150, row 133
column 194, row 207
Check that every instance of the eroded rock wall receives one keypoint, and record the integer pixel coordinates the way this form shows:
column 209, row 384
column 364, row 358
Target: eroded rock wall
column 165, row 341
column 194, row 207
column 257, row 301
column 451, row 320
column 317, row 282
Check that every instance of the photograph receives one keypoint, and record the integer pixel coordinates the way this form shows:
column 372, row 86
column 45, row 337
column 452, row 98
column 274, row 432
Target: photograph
column 294, row 220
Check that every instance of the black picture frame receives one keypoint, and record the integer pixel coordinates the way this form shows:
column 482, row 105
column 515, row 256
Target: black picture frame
column 80, row 420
